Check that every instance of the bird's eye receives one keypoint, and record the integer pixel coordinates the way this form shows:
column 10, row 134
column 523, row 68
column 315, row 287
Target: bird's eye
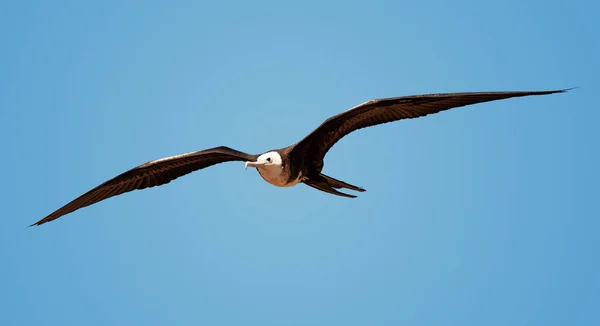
column 268, row 159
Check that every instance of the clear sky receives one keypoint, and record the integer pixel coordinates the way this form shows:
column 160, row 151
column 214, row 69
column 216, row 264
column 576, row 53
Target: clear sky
column 482, row 215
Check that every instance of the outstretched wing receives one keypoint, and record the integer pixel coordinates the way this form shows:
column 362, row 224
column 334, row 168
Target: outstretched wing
column 314, row 146
column 154, row 173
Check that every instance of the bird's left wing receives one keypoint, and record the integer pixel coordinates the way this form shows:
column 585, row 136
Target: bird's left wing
column 154, row 173
column 314, row 146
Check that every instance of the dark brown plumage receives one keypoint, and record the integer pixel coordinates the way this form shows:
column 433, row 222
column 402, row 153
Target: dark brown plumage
column 301, row 162
column 315, row 145
column 154, row 173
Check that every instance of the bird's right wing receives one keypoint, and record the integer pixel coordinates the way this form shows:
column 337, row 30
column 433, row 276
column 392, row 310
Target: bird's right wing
column 154, row 173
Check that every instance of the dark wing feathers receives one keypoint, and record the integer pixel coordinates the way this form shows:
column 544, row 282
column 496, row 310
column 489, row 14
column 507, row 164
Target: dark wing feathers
column 309, row 151
column 314, row 146
column 154, row 173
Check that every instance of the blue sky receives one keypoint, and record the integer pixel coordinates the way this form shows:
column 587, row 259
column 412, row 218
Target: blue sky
column 483, row 215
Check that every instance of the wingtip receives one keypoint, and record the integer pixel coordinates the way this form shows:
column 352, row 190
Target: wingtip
column 564, row 90
column 554, row 91
column 38, row 223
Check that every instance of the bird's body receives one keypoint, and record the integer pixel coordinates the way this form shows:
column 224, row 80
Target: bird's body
column 278, row 175
column 299, row 163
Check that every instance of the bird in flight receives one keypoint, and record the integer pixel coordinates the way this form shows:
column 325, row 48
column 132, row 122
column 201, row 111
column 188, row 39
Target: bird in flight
column 301, row 162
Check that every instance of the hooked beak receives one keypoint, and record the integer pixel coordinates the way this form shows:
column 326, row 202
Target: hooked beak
column 254, row 164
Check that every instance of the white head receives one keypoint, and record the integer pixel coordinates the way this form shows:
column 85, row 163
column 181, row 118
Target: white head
column 266, row 159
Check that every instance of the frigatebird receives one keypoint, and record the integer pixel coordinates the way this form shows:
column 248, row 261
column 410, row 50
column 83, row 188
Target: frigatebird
column 301, row 162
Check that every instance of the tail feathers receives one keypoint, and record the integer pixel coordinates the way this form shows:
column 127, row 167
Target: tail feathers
column 327, row 184
column 324, row 186
column 341, row 184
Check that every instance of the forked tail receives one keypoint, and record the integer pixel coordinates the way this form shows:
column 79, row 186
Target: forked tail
column 329, row 184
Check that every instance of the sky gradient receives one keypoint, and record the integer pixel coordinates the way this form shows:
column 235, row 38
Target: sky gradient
column 482, row 215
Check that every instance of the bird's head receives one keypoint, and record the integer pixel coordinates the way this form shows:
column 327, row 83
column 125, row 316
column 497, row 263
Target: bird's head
column 267, row 159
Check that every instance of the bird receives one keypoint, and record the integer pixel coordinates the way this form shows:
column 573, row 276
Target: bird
column 301, row 162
